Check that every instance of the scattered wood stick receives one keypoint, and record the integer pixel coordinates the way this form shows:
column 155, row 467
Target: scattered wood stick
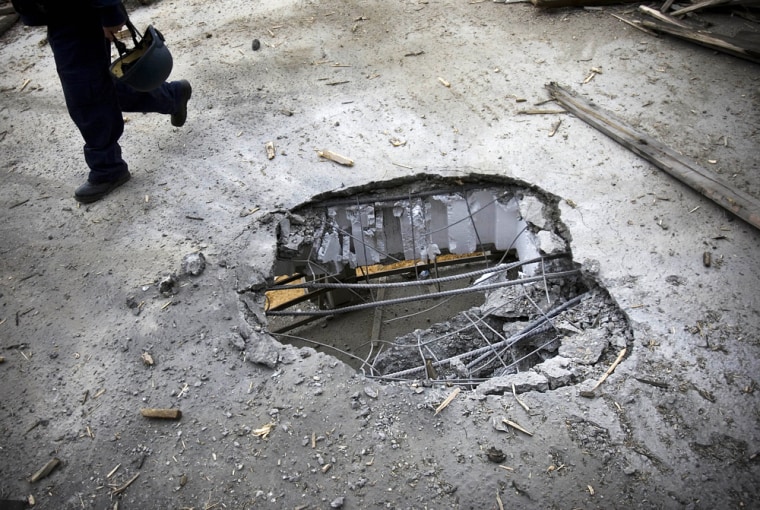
column 609, row 371
column 334, row 156
column 516, row 426
column 121, row 489
column 164, row 414
column 448, row 400
column 661, row 16
column 634, row 24
column 555, row 128
column 23, row 85
column 498, row 501
column 45, row 470
column 698, row 6
column 444, row 82
column 540, row 112
column 270, row 150
column 652, row 382
column 524, row 406
column 111, row 473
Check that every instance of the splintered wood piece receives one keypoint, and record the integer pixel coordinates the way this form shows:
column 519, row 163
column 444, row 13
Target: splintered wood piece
column 45, row 470
column 147, row 359
column 698, row 6
column 661, row 16
column 263, row 432
column 270, row 150
column 121, row 489
column 444, row 82
column 164, row 414
column 607, row 373
column 333, row 156
column 516, row 426
column 448, row 400
column 522, row 404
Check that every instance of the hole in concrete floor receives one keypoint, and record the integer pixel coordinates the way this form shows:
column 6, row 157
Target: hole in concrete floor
column 464, row 280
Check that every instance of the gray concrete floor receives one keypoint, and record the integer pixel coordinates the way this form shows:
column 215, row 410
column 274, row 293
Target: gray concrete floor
column 338, row 75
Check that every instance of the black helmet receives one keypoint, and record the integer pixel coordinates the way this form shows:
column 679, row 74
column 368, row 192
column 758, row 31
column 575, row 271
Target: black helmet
column 147, row 65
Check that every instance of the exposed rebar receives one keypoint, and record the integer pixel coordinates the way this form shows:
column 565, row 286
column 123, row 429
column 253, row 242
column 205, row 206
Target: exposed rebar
column 420, row 297
column 526, row 332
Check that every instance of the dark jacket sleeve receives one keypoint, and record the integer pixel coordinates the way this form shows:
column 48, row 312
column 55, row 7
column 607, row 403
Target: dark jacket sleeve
column 112, row 12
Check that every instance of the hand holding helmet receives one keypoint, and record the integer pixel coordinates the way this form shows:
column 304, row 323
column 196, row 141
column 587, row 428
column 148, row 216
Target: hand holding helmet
column 147, row 65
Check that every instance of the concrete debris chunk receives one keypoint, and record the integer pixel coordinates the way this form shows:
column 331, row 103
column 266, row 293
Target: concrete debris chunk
column 557, row 371
column 523, row 382
column 532, row 211
column 193, row 264
column 249, row 279
column 236, row 341
column 586, row 347
column 263, row 350
column 550, row 243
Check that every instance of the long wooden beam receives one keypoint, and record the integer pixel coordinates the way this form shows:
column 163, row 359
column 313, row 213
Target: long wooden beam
column 731, row 45
column 685, row 170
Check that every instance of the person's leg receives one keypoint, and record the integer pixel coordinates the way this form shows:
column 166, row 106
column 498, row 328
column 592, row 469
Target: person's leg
column 82, row 56
column 169, row 98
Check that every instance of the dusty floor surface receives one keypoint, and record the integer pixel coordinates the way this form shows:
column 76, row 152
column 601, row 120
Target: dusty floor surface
column 344, row 76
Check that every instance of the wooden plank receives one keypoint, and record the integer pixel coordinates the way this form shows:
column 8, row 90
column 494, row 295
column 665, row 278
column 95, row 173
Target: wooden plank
column 666, row 6
column 700, row 5
column 730, row 45
column 662, row 17
column 685, row 170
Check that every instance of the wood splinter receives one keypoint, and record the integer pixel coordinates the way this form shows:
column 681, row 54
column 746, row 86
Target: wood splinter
column 45, row 470
column 333, row 156
column 516, row 426
column 164, row 414
column 590, row 393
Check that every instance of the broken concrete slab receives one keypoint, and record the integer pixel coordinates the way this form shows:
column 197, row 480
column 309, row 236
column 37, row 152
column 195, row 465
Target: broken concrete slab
column 522, row 382
column 557, row 370
column 262, row 349
column 586, row 347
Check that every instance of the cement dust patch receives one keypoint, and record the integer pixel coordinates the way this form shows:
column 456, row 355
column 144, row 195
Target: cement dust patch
column 468, row 281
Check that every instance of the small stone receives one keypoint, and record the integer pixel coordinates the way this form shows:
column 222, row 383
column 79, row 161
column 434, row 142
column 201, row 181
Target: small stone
column 337, row 502
column 256, row 45
column 193, row 264
column 495, row 455
column 166, row 285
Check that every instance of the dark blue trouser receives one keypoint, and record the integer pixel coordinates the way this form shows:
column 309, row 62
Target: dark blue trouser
column 94, row 99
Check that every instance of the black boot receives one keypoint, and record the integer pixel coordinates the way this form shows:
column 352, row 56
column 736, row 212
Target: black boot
column 89, row 192
column 183, row 95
